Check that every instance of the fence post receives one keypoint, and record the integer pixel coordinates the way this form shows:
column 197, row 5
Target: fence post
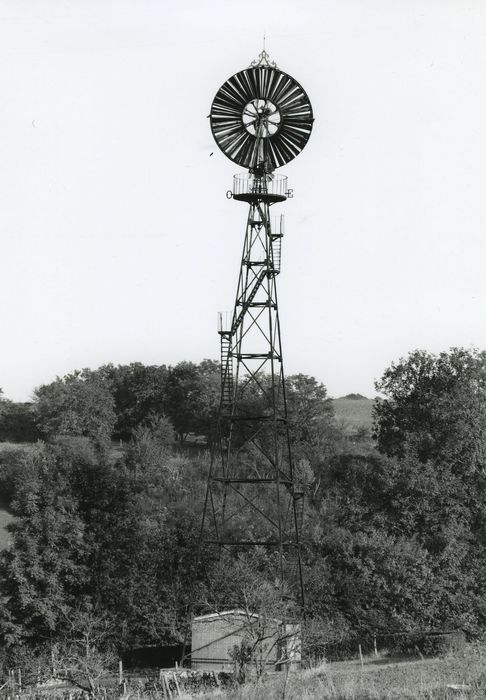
column 174, row 676
column 53, row 660
column 166, row 685
column 360, row 655
column 374, row 646
column 162, row 681
column 120, row 672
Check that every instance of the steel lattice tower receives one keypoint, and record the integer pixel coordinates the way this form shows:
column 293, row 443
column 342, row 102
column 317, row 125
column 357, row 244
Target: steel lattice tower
column 261, row 118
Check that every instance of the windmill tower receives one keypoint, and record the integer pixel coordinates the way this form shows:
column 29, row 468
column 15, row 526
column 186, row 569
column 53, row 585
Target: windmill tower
column 261, row 118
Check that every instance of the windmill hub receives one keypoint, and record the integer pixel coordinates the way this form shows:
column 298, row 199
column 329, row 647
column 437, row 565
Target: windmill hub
column 261, row 118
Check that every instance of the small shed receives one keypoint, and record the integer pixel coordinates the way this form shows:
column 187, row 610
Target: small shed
column 214, row 636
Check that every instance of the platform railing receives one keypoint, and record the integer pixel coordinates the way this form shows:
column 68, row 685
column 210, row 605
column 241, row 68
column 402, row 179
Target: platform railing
column 225, row 319
column 246, row 183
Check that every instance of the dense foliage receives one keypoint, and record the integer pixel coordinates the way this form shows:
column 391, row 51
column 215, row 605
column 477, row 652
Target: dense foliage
column 393, row 537
column 17, row 422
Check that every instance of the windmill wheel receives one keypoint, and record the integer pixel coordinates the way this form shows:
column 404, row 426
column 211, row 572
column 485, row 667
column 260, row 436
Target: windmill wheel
column 261, row 118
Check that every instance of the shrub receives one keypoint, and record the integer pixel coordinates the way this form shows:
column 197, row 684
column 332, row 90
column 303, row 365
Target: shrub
column 428, row 644
column 348, row 648
column 324, row 638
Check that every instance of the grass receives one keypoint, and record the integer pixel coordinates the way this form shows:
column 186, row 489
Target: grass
column 461, row 676
column 352, row 414
column 5, row 519
column 5, row 446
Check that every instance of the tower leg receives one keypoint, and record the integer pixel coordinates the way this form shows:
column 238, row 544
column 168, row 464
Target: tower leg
column 251, row 496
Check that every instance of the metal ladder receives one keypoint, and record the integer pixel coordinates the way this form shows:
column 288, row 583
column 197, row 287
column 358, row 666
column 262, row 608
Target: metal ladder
column 226, row 369
column 276, row 252
column 276, row 236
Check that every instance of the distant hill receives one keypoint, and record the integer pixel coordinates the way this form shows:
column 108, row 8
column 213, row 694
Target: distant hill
column 352, row 397
column 353, row 411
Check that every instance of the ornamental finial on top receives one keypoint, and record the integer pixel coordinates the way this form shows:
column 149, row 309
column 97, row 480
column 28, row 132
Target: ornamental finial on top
column 263, row 60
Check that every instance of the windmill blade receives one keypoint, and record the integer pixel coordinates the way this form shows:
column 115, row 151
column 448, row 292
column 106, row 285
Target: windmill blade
column 261, row 112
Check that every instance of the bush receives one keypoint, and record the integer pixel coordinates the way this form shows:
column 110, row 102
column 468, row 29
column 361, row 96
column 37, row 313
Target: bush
column 348, row 648
column 324, row 638
column 11, row 467
column 17, row 423
column 411, row 644
column 428, row 644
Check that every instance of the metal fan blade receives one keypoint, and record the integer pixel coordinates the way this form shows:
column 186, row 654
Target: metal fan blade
column 274, row 105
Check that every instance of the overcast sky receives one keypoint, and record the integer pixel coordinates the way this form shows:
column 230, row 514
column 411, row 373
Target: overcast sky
column 117, row 241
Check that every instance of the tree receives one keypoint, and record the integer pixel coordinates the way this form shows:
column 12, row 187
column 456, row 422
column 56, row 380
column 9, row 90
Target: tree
column 313, row 429
column 438, row 403
column 12, row 470
column 77, row 404
column 17, row 422
column 380, row 581
column 149, row 448
column 192, row 397
column 88, row 531
column 396, row 543
column 139, row 393
column 86, row 651
column 44, row 572
column 187, row 394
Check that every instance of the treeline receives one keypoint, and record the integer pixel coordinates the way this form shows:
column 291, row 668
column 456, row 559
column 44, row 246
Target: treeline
column 104, row 540
column 111, row 402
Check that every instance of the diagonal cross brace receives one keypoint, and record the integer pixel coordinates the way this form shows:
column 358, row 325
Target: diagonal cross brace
column 246, row 304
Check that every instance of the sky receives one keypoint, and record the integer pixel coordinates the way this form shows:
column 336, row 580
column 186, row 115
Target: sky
column 118, row 243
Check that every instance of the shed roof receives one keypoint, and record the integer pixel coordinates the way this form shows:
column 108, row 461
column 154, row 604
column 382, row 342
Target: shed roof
column 236, row 612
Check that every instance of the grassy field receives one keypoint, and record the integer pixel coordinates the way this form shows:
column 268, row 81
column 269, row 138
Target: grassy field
column 5, row 519
column 5, row 446
column 461, row 676
column 353, row 413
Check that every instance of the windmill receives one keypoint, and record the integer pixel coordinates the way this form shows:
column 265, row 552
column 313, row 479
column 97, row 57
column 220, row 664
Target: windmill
column 261, row 119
